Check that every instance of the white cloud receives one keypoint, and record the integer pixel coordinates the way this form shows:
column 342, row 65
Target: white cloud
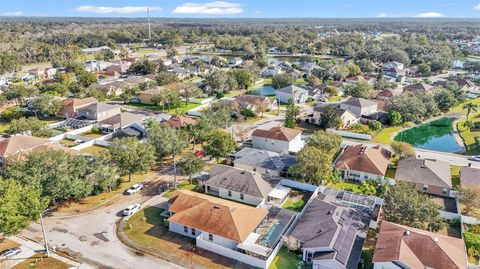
column 477, row 7
column 430, row 15
column 118, row 10
column 210, row 8
column 405, row 15
column 14, row 13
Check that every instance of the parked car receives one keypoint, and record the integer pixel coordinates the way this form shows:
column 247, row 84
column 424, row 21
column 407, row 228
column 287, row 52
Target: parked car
column 474, row 158
column 199, row 153
column 8, row 253
column 131, row 209
column 135, row 188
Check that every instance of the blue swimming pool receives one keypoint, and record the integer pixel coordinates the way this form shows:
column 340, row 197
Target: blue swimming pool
column 263, row 90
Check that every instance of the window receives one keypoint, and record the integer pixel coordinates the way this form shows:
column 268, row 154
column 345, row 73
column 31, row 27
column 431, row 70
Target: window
column 185, row 229
column 229, row 193
column 241, row 196
column 445, row 191
column 254, row 169
column 193, row 231
column 208, row 188
column 425, row 187
column 210, row 237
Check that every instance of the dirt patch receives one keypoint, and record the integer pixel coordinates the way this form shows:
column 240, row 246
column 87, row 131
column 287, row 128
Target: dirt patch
column 60, row 230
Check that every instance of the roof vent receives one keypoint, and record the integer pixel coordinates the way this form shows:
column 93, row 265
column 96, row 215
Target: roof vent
column 216, row 207
column 407, row 233
column 329, row 212
column 319, row 231
column 435, row 239
column 242, row 173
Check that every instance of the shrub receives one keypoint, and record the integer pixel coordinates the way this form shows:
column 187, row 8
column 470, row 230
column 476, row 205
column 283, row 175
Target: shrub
column 96, row 130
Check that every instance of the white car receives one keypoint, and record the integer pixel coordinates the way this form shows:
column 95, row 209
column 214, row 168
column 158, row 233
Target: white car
column 131, row 209
column 475, row 158
column 135, row 188
column 8, row 253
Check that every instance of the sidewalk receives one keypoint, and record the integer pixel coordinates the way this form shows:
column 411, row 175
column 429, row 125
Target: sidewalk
column 30, row 248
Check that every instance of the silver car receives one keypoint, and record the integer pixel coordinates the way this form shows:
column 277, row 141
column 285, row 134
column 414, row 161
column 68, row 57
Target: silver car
column 131, row 209
column 8, row 253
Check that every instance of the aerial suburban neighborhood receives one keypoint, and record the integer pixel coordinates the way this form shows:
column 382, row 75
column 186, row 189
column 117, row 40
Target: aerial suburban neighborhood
column 223, row 135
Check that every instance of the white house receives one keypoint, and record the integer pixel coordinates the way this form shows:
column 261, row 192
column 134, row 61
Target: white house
column 237, row 184
column 271, row 71
column 235, row 61
column 292, row 92
column 278, row 139
column 94, row 65
column 360, row 106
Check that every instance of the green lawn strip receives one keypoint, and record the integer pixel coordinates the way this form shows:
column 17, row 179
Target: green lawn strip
column 285, row 260
column 384, row 135
column 181, row 186
column 455, row 171
column 468, row 137
column 346, row 186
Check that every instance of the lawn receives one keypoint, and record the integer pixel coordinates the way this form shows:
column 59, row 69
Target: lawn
column 91, row 135
column 98, row 200
column 254, row 119
column 286, row 260
column 297, row 200
column 233, row 93
column 468, row 135
column 6, row 244
column 384, row 135
column 68, row 142
column 346, row 186
column 369, row 248
column 459, row 108
column 390, row 172
column 182, row 186
column 38, row 261
column 147, row 229
column 455, row 171
column 94, row 150
column 335, row 99
column 4, row 126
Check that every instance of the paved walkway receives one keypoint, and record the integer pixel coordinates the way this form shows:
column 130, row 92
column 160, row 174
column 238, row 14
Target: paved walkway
column 30, row 248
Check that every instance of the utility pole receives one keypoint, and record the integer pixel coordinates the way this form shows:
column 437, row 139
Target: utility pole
column 44, row 235
column 149, row 27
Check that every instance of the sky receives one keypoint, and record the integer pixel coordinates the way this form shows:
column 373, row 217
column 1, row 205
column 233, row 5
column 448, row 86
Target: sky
column 244, row 8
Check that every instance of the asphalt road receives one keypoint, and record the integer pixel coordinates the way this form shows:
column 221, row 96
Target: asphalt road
column 91, row 237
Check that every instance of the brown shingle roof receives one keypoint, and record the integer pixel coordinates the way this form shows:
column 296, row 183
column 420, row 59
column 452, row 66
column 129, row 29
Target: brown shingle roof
column 372, row 160
column 79, row 102
column 213, row 215
column 277, row 133
column 470, row 176
column 419, row 249
column 20, row 144
column 180, row 121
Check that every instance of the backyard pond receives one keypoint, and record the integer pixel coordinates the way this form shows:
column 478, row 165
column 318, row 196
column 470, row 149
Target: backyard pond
column 436, row 135
column 263, row 90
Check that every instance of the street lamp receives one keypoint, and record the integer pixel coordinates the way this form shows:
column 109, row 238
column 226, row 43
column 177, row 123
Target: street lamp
column 44, row 234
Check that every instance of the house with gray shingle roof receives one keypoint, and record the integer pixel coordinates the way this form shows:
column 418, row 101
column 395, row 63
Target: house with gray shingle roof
column 264, row 161
column 360, row 106
column 430, row 176
column 98, row 111
column 237, row 184
column 292, row 92
column 331, row 235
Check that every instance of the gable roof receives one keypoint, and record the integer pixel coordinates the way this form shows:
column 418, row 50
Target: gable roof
column 336, row 108
column 470, row 176
column 419, row 249
column 18, row 143
column 333, row 228
column 290, row 89
column 239, row 180
column 373, row 160
column 123, row 119
column 213, row 215
column 99, row 107
column 418, row 87
column 424, row 171
column 264, row 158
column 180, row 121
column 360, row 102
column 251, row 99
column 79, row 102
column 277, row 133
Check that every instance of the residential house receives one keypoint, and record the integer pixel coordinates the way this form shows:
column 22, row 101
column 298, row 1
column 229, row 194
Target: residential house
column 470, row 176
column 120, row 121
column 94, row 65
column 278, row 139
column 146, row 96
column 264, row 161
column 18, row 145
column 90, row 51
column 388, row 94
column 463, row 84
column 237, row 184
column 135, row 80
column 131, row 131
column 271, row 71
column 71, row 105
column 181, row 121
column 360, row 106
column 360, row 162
column 237, row 61
column 98, row 111
column 285, row 66
column 38, row 73
column 228, row 228
column 394, row 70
column 331, row 235
column 251, row 101
column 369, row 79
column 295, row 73
column 400, row 246
column 348, row 118
column 292, row 92
column 113, row 88
column 418, row 87
column 430, row 176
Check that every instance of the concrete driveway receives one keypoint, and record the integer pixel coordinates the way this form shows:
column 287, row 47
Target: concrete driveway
column 90, row 237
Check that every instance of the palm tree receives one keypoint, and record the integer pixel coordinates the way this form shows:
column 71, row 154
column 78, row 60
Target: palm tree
column 470, row 107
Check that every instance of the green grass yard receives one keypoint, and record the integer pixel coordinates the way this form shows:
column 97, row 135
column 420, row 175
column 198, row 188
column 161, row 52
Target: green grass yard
column 384, row 135
column 182, row 186
column 346, row 186
column 285, row 260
